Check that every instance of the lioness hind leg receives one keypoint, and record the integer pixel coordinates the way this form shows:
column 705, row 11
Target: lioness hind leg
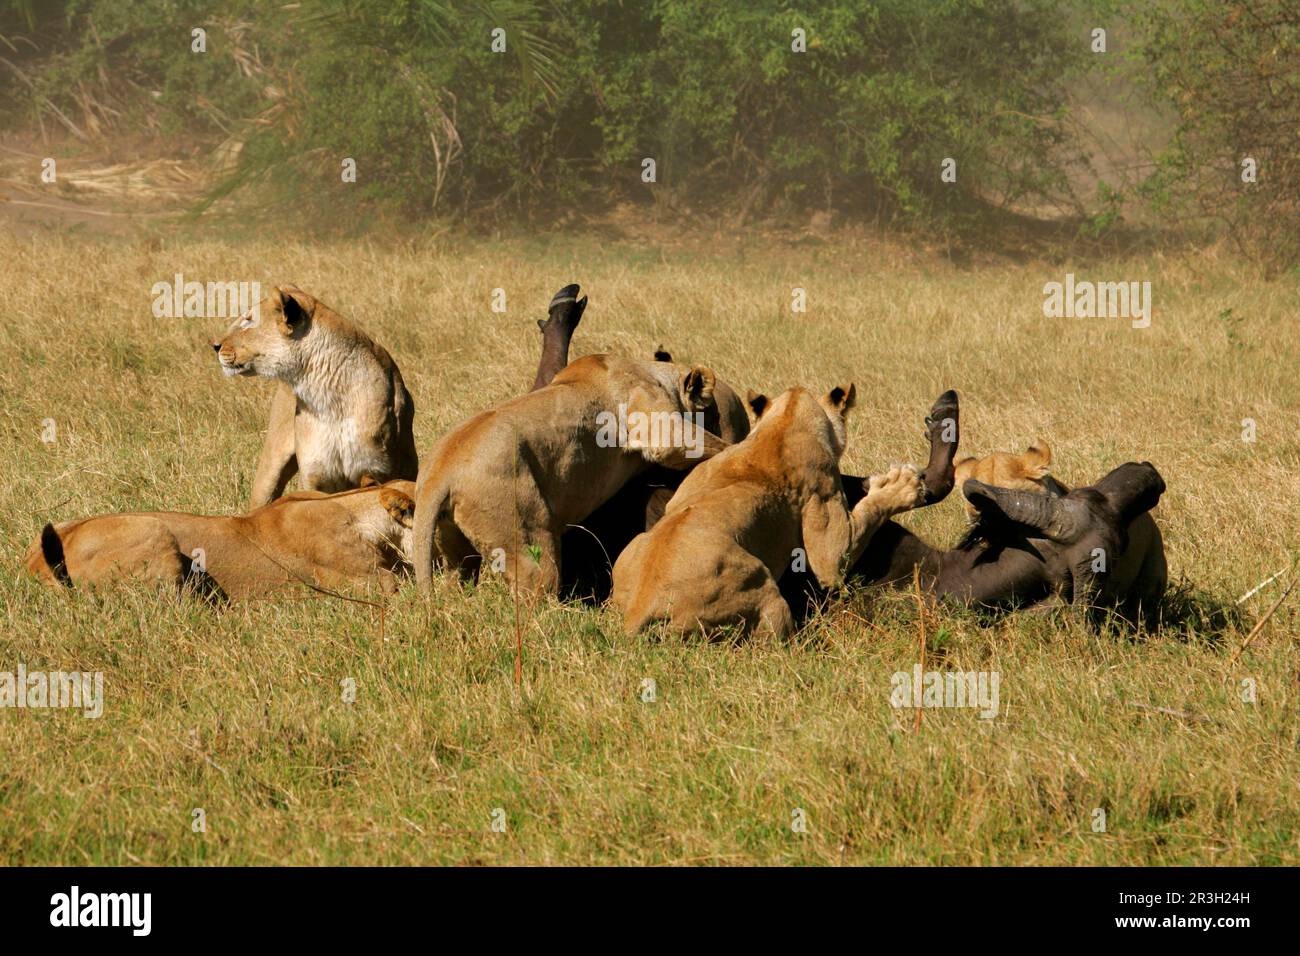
column 743, row 595
column 774, row 616
column 535, row 565
column 516, row 535
column 527, row 557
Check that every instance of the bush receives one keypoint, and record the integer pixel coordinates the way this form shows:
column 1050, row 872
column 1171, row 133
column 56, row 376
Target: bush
column 737, row 122
column 1231, row 75
column 713, row 93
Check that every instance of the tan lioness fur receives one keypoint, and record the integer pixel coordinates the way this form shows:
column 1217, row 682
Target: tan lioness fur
column 506, row 484
column 1002, row 469
column 739, row 520
column 726, row 416
column 354, row 538
column 340, row 411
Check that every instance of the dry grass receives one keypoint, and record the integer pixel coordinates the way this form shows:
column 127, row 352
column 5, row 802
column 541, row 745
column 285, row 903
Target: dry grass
column 240, row 713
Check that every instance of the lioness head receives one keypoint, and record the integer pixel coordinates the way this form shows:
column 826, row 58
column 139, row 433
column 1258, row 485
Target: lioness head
column 835, row 404
column 695, row 388
column 262, row 341
column 725, row 415
column 1026, row 472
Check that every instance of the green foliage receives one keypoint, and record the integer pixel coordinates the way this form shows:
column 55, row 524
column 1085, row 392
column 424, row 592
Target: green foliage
column 1230, row 73
column 130, row 66
column 20, row 13
column 1109, row 214
column 736, row 121
column 713, row 92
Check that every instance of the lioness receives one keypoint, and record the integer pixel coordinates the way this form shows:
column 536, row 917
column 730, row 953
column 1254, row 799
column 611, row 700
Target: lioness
column 340, row 411
column 732, row 528
column 1028, row 471
column 504, row 485
column 351, row 538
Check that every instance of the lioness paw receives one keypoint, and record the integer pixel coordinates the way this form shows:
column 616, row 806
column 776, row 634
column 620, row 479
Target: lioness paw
column 899, row 489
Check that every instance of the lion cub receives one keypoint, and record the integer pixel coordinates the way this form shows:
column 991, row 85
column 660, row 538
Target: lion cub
column 355, row 537
column 1029, row 471
column 742, row 518
column 341, row 411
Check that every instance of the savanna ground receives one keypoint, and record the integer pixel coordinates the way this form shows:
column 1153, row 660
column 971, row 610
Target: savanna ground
column 240, row 712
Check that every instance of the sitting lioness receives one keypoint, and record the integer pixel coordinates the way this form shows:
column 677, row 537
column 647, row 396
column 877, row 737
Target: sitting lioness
column 356, row 537
column 340, row 412
column 737, row 521
column 505, row 485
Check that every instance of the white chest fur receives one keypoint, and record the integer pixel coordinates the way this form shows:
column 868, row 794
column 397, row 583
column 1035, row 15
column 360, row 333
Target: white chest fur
column 332, row 453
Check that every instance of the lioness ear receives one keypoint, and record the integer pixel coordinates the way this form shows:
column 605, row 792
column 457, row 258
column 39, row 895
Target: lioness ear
column 399, row 505
column 367, row 481
column 661, row 355
column 842, row 397
column 697, row 387
column 1036, row 461
column 757, row 404
column 297, row 307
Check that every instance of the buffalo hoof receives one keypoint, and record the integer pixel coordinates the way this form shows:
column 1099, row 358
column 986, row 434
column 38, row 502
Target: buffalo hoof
column 943, row 429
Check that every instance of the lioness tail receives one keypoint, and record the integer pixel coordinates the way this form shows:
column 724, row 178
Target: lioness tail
column 52, row 552
column 429, row 504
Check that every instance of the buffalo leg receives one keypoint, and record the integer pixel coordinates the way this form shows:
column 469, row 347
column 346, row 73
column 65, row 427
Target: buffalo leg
column 943, row 425
column 557, row 332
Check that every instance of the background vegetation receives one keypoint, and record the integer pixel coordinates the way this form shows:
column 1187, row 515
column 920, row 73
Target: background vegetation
column 857, row 126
